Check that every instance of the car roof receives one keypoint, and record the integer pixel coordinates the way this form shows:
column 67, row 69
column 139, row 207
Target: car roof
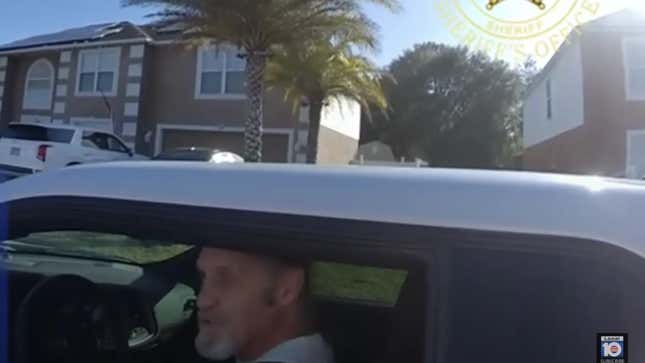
column 609, row 210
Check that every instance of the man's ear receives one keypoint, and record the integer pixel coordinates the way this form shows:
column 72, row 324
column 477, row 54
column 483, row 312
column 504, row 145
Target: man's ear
column 291, row 284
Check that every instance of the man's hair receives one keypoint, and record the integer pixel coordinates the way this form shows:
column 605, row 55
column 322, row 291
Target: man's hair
column 276, row 266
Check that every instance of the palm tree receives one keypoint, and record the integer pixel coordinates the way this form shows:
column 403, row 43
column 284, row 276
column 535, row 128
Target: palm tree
column 258, row 26
column 324, row 71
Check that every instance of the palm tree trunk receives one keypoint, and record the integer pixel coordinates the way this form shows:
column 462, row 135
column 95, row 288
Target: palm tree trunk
column 315, row 110
column 255, row 67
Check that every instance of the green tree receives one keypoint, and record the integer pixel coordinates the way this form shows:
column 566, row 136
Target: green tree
column 321, row 72
column 258, row 26
column 527, row 71
column 451, row 107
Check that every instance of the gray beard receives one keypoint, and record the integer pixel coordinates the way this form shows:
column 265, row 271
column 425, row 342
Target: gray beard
column 212, row 349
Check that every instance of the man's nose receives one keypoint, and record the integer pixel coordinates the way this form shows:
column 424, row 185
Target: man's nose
column 207, row 298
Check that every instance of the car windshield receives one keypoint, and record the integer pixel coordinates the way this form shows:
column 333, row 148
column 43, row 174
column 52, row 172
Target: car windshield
column 94, row 245
column 186, row 155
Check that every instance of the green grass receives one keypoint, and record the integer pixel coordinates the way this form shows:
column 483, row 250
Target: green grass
column 107, row 245
column 327, row 279
column 357, row 282
column 138, row 254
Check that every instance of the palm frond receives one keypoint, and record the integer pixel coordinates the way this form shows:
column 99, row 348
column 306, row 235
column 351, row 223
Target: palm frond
column 327, row 70
column 262, row 24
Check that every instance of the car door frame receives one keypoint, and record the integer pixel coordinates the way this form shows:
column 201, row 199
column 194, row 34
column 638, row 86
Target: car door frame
column 282, row 235
column 431, row 249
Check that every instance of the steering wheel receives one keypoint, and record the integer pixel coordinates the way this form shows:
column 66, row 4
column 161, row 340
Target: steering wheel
column 56, row 322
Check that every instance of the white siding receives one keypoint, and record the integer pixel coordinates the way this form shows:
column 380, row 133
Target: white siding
column 65, row 57
column 131, row 109
column 302, row 137
column 133, row 90
column 61, row 90
column 136, row 51
column 343, row 117
column 129, row 129
column 63, row 73
column 635, row 154
column 567, row 99
column 95, row 123
column 633, row 55
column 59, row 107
column 134, row 70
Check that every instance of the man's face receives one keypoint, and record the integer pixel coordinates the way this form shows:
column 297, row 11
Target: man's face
column 234, row 302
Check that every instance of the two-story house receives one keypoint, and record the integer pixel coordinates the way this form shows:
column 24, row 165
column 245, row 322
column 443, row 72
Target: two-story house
column 158, row 92
column 585, row 112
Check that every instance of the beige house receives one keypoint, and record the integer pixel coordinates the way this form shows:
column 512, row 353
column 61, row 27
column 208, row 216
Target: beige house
column 157, row 92
column 377, row 153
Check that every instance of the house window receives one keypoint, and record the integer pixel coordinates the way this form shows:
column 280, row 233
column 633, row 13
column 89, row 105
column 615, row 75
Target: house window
column 549, row 100
column 634, row 59
column 220, row 73
column 98, row 71
column 39, row 86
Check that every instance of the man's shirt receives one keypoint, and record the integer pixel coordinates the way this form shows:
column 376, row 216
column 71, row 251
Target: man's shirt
column 305, row 349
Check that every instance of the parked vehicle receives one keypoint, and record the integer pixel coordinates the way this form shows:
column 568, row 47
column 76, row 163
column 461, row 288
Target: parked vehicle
column 406, row 265
column 27, row 148
column 200, row 154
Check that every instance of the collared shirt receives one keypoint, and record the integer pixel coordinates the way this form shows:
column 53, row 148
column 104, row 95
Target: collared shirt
column 305, row 349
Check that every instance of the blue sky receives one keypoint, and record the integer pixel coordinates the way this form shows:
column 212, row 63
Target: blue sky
column 416, row 23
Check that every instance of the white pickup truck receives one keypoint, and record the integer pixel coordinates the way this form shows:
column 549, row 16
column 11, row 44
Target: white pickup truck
column 27, row 148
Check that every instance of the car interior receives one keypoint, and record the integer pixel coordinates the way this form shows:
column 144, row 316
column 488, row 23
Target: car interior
column 66, row 308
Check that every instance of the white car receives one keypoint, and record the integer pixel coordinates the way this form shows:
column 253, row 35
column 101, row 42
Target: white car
column 405, row 265
column 26, row 148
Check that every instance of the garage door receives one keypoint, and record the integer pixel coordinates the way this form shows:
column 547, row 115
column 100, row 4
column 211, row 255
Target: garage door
column 275, row 147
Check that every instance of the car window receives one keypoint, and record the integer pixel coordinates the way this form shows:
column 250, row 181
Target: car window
column 38, row 133
column 328, row 280
column 115, row 145
column 186, row 155
column 355, row 282
column 95, row 140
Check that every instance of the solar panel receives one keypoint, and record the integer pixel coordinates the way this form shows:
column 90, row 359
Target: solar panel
column 66, row 36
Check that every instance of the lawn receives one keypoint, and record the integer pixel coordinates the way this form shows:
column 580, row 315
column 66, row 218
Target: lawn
column 357, row 282
column 107, row 245
column 327, row 279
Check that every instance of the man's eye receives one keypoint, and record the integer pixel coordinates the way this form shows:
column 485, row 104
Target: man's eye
column 220, row 280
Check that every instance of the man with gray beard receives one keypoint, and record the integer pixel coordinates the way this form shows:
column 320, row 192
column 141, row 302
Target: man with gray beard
column 254, row 308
